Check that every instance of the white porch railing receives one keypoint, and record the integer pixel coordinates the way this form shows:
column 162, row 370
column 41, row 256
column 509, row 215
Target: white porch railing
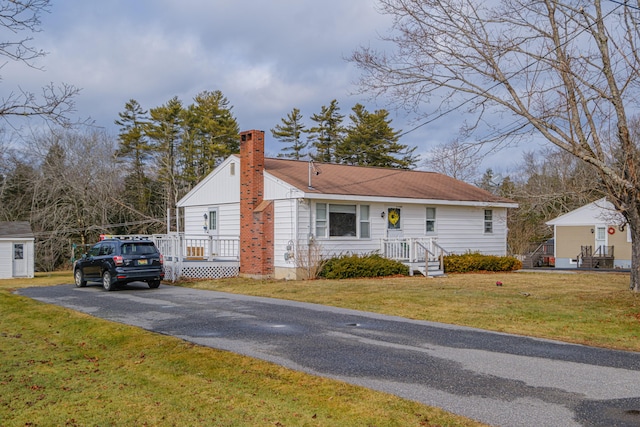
column 197, row 247
column 414, row 251
column 198, row 256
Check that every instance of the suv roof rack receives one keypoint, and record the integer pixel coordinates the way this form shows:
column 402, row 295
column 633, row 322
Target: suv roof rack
column 125, row 236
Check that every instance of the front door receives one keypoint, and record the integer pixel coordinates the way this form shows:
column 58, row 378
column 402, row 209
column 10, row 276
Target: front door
column 19, row 260
column 213, row 231
column 601, row 240
column 394, row 223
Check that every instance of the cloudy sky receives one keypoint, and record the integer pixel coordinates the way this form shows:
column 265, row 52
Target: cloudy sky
column 266, row 57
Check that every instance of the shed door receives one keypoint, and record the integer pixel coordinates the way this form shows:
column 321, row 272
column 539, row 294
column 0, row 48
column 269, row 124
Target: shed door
column 19, row 260
column 601, row 238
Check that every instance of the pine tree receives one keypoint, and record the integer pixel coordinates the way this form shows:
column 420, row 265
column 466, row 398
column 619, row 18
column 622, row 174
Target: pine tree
column 289, row 133
column 134, row 147
column 165, row 130
column 328, row 133
column 16, row 197
column 371, row 141
column 210, row 136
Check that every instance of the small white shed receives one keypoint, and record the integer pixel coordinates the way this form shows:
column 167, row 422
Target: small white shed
column 17, row 257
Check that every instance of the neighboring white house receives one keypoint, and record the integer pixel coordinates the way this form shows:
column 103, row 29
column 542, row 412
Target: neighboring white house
column 276, row 207
column 596, row 231
column 16, row 250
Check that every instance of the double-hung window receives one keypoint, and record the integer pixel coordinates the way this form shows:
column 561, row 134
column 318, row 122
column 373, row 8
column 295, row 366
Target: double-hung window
column 488, row 221
column 431, row 220
column 365, row 225
column 321, row 220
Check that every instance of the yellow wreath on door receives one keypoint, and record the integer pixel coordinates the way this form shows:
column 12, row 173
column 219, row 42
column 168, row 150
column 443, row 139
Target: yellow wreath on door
column 394, row 216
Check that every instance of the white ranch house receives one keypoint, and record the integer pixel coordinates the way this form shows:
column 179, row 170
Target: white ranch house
column 266, row 217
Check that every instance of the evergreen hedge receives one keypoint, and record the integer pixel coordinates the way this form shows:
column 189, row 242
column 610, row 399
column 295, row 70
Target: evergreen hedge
column 354, row 266
column 470, row 262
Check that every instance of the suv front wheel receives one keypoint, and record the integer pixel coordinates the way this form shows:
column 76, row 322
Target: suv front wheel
column 107, row 283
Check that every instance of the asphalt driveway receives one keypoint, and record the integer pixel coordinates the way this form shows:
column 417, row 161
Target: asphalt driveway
column 499, row 379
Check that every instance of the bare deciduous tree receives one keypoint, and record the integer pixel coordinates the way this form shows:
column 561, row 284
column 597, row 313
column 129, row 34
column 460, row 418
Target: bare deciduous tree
column 54, row 103
column 455, row 159
column 74, row 193
column 548, row 183
column 566, row 71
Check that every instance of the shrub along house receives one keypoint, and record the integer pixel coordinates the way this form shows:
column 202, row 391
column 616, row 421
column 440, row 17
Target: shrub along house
column 277, row 217
column 592, row 236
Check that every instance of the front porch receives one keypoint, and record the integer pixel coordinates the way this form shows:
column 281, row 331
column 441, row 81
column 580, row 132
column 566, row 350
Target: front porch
column 198, row 256
column 424, row 255
column 209, row 257
column 602, row 257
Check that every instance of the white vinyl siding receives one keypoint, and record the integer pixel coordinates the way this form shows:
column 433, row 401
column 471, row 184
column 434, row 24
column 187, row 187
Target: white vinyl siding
column 219, row 187
column 461, row 229
column 227, row 219
column 285, row 231
column 6, row 259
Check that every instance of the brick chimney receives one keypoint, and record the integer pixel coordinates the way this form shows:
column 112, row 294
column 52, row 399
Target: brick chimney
column 256, row 214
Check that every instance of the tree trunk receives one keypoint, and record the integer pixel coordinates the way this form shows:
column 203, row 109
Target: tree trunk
column 634, row 283
column 632, row 216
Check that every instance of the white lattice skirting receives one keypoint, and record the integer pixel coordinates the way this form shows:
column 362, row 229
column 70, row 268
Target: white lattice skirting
column 210, row 272
column 204, row 270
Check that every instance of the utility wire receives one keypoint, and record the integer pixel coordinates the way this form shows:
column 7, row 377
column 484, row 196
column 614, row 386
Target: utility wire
column 95, row 227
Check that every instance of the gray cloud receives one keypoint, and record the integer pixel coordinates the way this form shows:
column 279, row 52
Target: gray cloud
column 266, row 57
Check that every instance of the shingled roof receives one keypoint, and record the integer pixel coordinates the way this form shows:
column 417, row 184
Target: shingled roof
column 13, row 229
column 334, row 179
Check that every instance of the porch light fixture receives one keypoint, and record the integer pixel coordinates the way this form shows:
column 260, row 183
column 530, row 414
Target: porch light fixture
column 382, row 214
column 206, row 217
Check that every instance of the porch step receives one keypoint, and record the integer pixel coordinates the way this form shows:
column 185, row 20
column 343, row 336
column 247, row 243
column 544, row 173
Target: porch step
column 434, row 269
column 590, row 262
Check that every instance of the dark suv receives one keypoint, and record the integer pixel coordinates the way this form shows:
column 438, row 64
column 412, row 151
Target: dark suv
column 119, row 261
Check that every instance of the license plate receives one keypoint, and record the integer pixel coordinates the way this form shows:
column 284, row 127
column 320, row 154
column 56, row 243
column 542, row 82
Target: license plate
column 143, row 261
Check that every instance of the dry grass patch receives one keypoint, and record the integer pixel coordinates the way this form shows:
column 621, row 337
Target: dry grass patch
column 40, row 279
